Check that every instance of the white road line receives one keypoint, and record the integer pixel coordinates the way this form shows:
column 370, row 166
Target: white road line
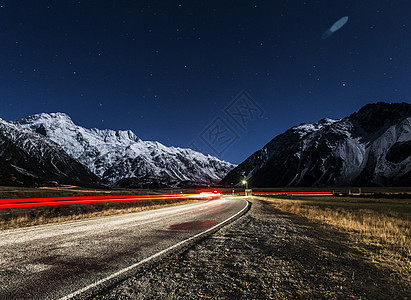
column 97, row 283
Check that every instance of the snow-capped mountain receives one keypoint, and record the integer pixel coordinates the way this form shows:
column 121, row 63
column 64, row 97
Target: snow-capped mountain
column 121, row 158
column 369, row 147
column 32, row 158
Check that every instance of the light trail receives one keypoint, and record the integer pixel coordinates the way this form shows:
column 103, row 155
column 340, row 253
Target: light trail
column 51, row 201
column 288, row 193
column 279, row 193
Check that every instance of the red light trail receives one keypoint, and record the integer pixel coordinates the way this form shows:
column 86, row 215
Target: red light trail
column 290, row 193
column 281, row 193
column 34, row 202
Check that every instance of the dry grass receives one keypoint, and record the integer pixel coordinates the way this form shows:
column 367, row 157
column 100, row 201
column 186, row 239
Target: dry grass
column 379, row 228
column 17, row 218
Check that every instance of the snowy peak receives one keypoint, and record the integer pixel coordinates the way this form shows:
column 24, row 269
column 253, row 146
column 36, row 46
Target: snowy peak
column 61, row 121
column 38, row 158
column 120, row 156
column 75, row 139
column 369, row 147
column 305, row 128
column 57, row 119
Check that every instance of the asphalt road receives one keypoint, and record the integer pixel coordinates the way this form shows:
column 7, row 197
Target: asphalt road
column 78, row 259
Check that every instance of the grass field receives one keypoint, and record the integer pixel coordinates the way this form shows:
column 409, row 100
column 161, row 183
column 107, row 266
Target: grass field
column 380, row 228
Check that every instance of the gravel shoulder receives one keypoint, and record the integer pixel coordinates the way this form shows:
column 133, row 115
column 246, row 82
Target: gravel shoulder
column 266, row 254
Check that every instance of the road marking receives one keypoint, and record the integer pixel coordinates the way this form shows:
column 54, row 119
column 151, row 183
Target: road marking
column 97, row 283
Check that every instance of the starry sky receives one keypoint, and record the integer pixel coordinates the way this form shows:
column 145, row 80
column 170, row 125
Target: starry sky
column 222, row 77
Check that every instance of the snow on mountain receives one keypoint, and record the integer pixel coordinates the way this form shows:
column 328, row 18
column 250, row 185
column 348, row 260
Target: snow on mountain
column 369, row 147
column 36, row 157
column 121, row 157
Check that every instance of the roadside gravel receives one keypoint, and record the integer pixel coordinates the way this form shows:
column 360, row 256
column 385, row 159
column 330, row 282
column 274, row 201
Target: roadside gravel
column 266, row 254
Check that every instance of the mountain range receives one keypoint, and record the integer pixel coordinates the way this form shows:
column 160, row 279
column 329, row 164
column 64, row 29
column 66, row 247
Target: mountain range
column 371, row 147
column 52, row 147
column 27, row 158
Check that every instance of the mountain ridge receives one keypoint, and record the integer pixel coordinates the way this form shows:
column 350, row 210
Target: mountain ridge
column 348, row 151
column 121, row 158
column 38, row 159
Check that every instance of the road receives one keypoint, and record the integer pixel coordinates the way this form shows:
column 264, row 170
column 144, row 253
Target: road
column 78, row 259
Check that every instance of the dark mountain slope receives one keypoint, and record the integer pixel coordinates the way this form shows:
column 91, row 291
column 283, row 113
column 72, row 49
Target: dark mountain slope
column 369, row 147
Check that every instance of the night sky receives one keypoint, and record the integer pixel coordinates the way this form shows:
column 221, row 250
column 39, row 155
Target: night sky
column 179, row 71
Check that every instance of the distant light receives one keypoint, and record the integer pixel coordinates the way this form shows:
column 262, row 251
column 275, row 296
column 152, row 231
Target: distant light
column 210, row 195
column 244, row 181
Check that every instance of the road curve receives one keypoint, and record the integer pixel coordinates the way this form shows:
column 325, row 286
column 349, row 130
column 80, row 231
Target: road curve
column 77, row 259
